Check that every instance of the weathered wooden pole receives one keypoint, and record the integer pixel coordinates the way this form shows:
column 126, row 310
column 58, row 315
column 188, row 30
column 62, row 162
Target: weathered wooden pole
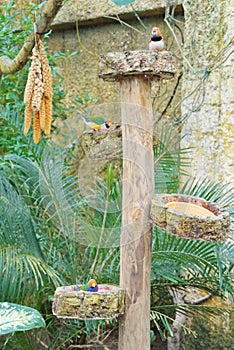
column 135, row 70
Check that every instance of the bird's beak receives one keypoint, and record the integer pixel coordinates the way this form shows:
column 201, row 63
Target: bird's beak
column 156, row 31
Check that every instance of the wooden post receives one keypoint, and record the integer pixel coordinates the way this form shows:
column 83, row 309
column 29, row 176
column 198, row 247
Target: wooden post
column 135, row 70
column 138, row 188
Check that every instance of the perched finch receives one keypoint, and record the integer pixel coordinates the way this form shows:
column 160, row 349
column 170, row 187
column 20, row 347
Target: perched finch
column 97, row 124
column 156, row 40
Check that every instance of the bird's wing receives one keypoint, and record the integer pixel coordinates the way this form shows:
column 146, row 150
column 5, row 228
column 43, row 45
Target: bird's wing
column 90, row 123
column 84, row 287
column 94, row 123
column 99, row 120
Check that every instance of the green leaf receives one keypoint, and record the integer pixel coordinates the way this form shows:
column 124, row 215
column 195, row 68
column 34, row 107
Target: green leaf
column 122, row 2
column 14, row 318
column 196, row 263
column 210, row 190
column 171, row 161
column 16, row 224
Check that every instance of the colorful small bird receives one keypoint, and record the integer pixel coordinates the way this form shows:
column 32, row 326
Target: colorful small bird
column 97, row 124
column 91, row 286
column 156, row 42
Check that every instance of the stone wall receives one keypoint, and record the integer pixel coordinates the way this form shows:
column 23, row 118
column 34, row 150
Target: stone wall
column 209, row 127
column 98, row 34
column 88, row 12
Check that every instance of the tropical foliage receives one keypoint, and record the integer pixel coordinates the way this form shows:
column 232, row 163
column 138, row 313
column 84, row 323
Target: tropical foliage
column 192, row 263
column 15, row 318
column 171, row 160
column 66, row 233
column 53, row 234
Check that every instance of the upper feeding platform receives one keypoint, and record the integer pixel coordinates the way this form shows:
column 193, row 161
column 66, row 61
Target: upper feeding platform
column 154, row 65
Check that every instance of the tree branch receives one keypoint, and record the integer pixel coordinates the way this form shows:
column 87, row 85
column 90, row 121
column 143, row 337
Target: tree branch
column 48, row 13
column 171, row 98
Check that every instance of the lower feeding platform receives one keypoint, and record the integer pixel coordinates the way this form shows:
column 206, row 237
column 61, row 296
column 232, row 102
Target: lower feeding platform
column 106, row 303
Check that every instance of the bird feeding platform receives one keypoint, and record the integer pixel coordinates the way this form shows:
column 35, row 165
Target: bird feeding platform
column 190, row 217
column 145, row 64
column 106, row 303
column 134, row 70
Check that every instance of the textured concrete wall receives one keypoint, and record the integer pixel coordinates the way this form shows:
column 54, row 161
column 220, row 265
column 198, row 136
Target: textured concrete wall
column 98, row 35
column 209, row 128
column 209, row 27
column 87, row 11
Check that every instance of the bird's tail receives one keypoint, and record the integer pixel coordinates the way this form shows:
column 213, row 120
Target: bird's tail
column 86, row 120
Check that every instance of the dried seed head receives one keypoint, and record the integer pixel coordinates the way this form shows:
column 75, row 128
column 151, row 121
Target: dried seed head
column 48, row 115
column 46, row 71
column 36, row 128
column 29, row 86
column 27, row 117
column 42, row 113
column 38, row 94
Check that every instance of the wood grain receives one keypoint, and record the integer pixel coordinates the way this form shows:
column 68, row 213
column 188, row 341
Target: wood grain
column 135, row 70
column 138, row 188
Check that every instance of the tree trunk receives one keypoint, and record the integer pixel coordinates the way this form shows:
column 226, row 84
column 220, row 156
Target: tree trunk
column 173, row 342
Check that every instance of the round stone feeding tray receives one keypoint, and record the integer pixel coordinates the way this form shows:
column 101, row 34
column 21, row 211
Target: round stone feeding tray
column 108, row 302
column 190, row 217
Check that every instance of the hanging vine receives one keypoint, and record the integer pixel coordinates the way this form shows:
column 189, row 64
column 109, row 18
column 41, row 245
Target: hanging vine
column 190, row 65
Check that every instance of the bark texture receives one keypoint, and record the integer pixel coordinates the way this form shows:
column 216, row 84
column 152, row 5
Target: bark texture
column 108, row 302
column 210, row 228
column 48, row 13
column 152, row 64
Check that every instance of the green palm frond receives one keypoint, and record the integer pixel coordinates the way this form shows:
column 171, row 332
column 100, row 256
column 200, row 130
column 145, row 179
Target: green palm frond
column 22, row 263
column 211, row 191
column 16, row 224
column 163, row 321
column 55, row 193
column 181, row 261
column 100, row 221
column 225, row 251
column 91, row 221
column 100, row 216
column 23, row 274
column 171, row 160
